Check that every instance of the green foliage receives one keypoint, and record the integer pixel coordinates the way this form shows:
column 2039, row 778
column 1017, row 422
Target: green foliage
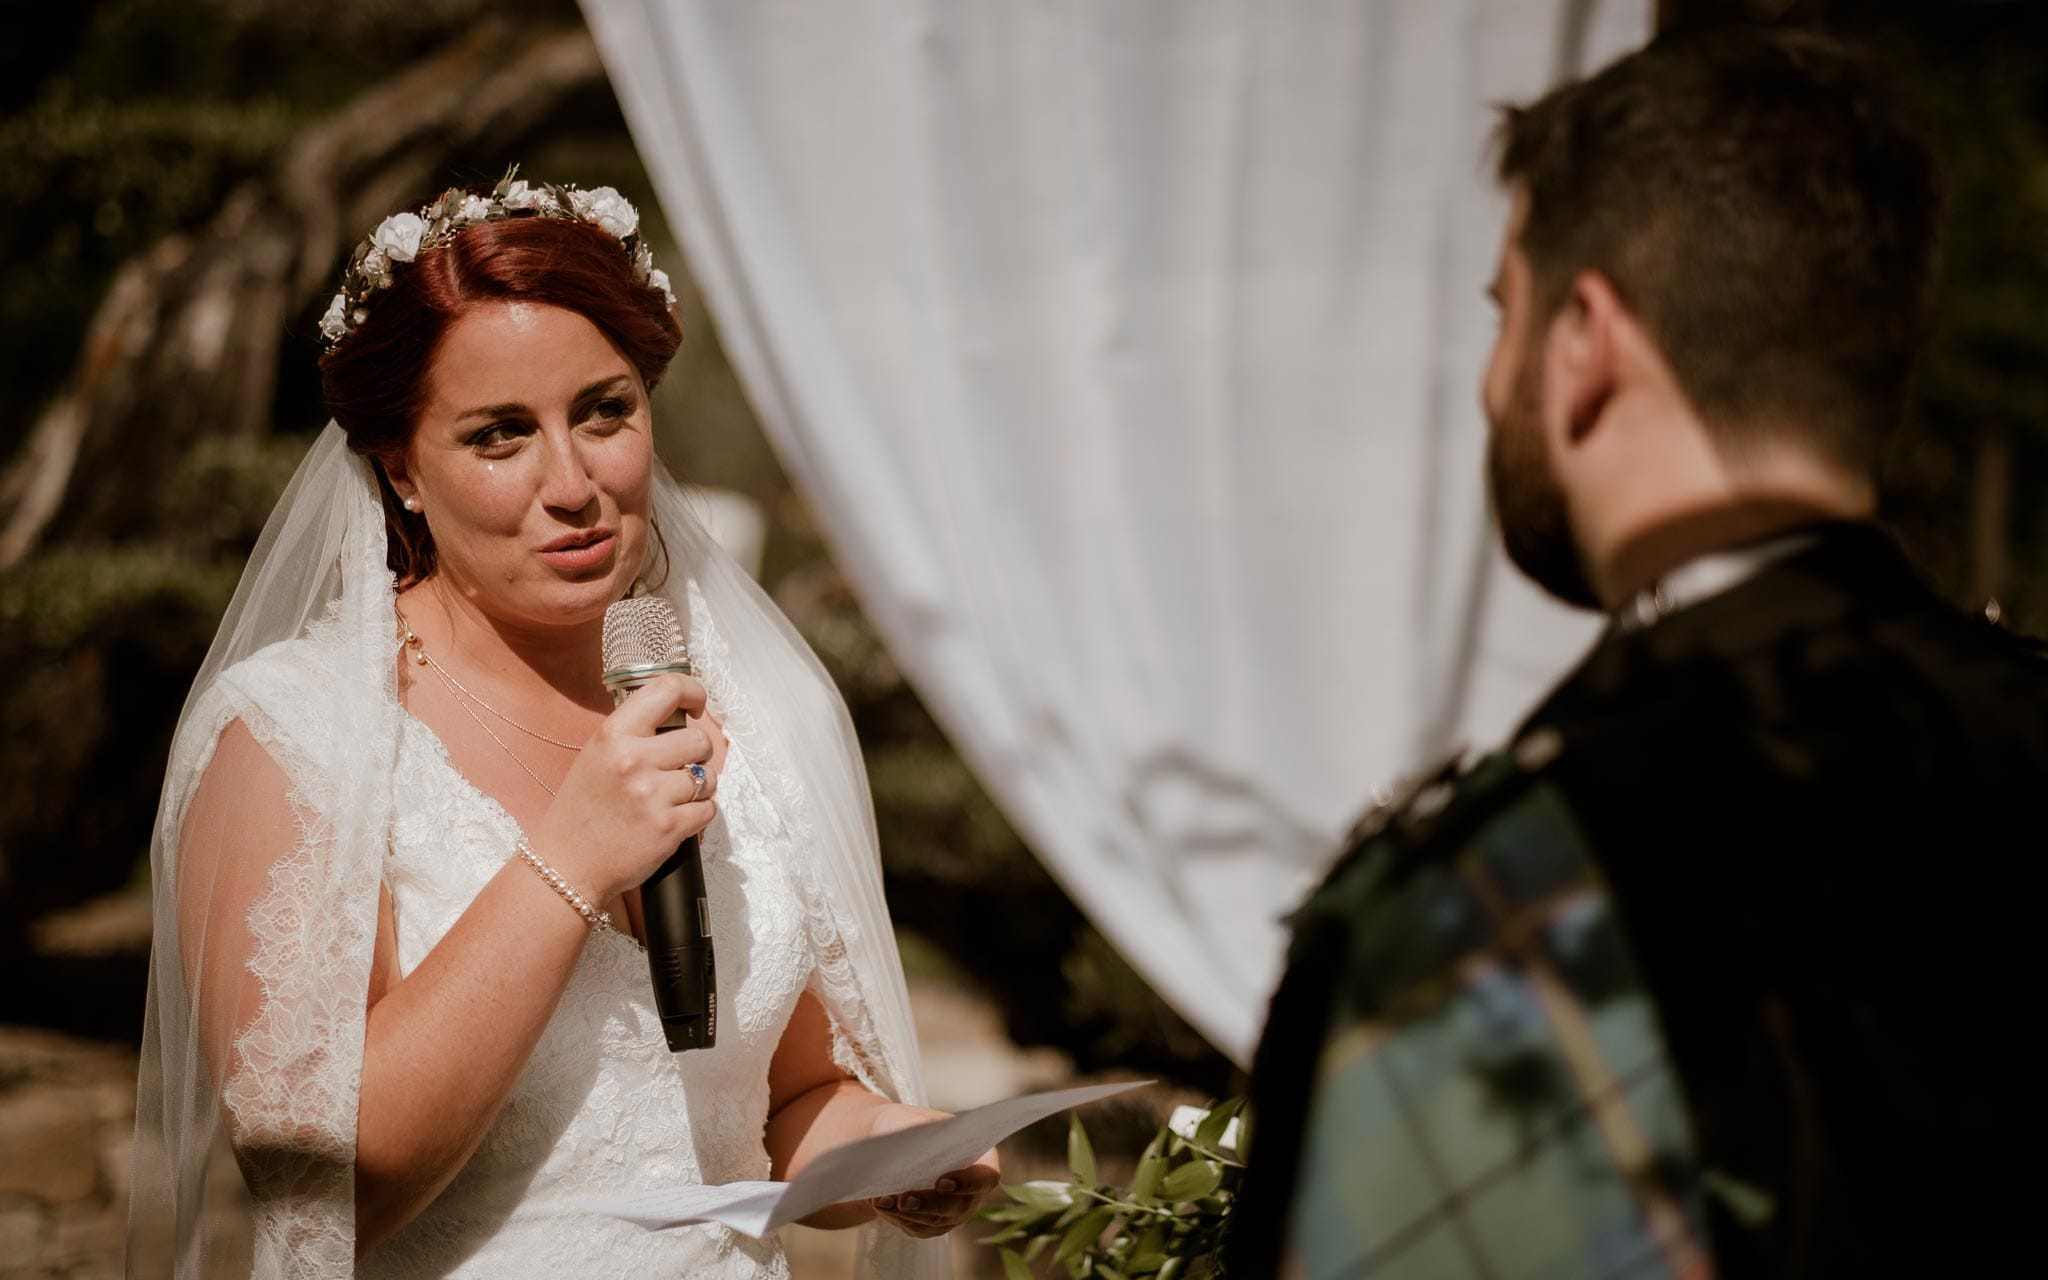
column 129, row 120
column 217, row 497
column 77, row 596
column 101, row 641
column 1168, row 1223
column 1976, row 78
column 211, row 507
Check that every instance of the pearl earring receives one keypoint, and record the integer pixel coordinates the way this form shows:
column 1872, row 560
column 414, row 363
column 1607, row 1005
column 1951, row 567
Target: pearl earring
column 412, row 504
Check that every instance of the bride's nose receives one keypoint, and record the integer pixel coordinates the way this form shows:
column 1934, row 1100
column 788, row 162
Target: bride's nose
column 566, row 483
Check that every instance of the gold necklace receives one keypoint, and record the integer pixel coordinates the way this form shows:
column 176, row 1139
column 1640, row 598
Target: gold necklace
column 463, row 697
column 421, row 656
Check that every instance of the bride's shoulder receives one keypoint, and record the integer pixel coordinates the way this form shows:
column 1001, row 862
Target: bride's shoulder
column 308, row 669
column 303, row 699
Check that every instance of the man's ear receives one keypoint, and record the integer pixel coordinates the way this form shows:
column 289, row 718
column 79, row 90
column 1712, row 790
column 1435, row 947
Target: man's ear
column 1581, row 354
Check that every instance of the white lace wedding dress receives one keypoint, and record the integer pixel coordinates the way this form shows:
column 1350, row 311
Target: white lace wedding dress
column 602, row 1107
column 261, row 962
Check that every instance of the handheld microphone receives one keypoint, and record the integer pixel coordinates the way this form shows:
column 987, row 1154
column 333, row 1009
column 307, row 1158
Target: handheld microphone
column 643, row 640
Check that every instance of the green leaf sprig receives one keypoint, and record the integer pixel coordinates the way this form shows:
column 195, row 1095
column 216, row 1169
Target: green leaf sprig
column 1168, row 1224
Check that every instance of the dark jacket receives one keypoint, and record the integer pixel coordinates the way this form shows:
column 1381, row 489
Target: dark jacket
column 1809, row 815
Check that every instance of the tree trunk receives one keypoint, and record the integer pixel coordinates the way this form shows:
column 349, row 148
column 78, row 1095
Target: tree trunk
column 188, row 340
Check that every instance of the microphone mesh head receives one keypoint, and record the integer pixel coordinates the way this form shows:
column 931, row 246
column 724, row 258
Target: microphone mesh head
column 643, row 632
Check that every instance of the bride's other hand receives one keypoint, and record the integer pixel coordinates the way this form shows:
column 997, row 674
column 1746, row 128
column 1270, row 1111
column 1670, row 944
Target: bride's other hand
column 934, row 1210
column 630, row 798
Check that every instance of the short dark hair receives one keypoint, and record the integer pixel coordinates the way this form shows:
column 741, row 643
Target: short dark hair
column 1762, row 202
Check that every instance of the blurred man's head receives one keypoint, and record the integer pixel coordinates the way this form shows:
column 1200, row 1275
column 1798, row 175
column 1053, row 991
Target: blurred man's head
column 1715, row 281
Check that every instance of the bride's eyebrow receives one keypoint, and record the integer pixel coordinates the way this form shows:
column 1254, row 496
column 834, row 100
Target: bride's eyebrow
column 510, row 409
column 615, row 385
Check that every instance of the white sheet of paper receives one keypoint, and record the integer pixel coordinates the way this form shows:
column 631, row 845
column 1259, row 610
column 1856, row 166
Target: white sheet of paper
column 907, row 1160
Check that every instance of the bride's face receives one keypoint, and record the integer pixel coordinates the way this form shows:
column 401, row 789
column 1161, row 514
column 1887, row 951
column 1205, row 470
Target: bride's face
column 531, row 463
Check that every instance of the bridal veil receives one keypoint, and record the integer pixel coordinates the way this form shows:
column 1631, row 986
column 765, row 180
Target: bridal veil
column 259, row 974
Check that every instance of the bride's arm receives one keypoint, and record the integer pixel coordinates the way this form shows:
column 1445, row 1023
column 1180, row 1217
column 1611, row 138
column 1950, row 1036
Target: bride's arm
column 443, row 1046
column 814, row 1106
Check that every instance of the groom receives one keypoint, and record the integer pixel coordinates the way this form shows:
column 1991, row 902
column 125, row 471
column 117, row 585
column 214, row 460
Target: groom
column 1725, row 962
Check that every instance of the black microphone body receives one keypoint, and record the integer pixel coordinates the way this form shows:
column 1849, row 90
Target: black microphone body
column 642, row 643
column 677, row 916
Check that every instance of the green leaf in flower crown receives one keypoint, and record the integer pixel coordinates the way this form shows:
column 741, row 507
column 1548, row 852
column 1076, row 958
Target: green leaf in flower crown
column 1042, row 1194
column 1151, row 1168
column 1080, row 1152
column 1173, row 1269
column 1210, row 1132
column 1084, row 1233
column 1191, row 1181
column 1014, row 1268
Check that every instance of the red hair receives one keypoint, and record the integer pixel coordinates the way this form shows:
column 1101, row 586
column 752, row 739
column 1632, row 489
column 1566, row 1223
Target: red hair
column 376, row 379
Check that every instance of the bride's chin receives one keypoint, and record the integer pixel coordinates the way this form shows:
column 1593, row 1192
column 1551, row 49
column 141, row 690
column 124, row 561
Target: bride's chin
column 561, row 604
column 582, row 603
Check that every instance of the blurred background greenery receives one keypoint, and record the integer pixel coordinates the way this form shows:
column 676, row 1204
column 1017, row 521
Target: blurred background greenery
column 143, row 141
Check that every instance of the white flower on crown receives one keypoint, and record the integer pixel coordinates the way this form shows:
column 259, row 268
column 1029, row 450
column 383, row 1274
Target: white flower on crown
column 521, row 196
column 335, row 322
column 659, row 279
column 399, row 236
column 608, row 209
column 377, row 266
column 474, row 209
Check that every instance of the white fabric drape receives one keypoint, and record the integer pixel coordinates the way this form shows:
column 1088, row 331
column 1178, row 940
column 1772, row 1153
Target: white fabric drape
column 1129, row 353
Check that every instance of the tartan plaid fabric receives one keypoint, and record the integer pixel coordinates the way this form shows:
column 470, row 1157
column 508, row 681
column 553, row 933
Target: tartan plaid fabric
column 1493, row 1099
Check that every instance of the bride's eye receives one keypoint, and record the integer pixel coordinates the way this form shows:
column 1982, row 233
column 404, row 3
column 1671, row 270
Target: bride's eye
column 498, row 440
column 612, row 407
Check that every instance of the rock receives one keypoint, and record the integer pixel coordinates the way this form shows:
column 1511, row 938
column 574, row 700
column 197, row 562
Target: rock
column 88, row 1241
column 115, row 922
column 21, row 1231
column 52, row 1144
column 116, row 1156
column 32, row 1054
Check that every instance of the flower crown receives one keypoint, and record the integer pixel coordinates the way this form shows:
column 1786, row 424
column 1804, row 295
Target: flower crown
column 401, row 237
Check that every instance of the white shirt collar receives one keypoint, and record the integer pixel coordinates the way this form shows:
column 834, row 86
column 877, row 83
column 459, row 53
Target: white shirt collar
column 1704, row 578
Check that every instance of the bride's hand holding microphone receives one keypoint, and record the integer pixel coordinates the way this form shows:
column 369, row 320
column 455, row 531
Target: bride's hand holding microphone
column 633, row 795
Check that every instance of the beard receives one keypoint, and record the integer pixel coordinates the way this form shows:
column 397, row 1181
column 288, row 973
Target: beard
column 1529, row 504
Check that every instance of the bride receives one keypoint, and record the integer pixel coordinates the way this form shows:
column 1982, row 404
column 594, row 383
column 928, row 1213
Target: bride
column 397, row 972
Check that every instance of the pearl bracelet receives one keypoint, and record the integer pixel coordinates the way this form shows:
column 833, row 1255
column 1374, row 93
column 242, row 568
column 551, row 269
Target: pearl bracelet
column 595, row 918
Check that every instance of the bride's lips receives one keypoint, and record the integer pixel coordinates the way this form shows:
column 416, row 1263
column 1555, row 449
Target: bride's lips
column 581, row 549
